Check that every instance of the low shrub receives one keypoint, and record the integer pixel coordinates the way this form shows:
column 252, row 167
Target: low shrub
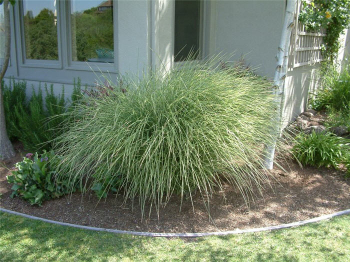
column 321, row 150
column 179, row 133
column 38, row 121
column 335, row 94
column 337, row 119
column 35, row 179
column 14, row 95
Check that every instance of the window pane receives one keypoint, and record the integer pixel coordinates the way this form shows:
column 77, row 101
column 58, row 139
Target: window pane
column 92, row 31
column 187, row 29
column 40, row 29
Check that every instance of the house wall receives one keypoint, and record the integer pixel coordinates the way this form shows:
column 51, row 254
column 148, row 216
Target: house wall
column 300, row 82
column 144, row 39
column 251, row 29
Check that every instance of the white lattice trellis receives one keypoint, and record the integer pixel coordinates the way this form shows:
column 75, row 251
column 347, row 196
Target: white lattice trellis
column 306, row 46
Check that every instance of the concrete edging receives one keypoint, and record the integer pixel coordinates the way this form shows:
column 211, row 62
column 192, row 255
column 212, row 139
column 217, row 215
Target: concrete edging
column 150, row 234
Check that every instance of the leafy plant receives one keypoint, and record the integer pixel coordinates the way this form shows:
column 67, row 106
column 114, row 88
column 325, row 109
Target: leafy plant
column 179, row 133
column 37, row 121
column 337, row 119
column 347, row 165
column 14, row 96
column 35, row 179
column 334, row 97
column 106, row 184
column 320, row 149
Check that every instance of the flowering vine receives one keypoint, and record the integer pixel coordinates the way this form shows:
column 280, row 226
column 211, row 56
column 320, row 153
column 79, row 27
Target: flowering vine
column 332, row 15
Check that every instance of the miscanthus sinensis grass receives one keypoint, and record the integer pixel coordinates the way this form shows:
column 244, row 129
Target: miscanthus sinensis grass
column 185, row 132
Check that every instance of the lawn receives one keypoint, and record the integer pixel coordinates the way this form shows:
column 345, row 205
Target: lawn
column 29, row 240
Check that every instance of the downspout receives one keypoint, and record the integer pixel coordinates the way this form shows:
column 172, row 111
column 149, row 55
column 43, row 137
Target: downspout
column 280, row 77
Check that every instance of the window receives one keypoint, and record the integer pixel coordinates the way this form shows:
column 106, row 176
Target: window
column 92, row 31
column 187, row 29
column 40, row 29
column 77, row 30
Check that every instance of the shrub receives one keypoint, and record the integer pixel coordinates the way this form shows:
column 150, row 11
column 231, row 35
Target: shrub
column 335, row 94
column 177, row 133
column 336, row 119
column 38, row 121
column 320, row 149
column 35, row 180
column 14, row 96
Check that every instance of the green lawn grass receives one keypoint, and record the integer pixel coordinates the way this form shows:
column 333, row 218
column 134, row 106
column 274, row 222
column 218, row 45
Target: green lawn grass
column 23, row 239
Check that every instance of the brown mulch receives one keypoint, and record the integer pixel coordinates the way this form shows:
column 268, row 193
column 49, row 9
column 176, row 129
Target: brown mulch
column 296, row 194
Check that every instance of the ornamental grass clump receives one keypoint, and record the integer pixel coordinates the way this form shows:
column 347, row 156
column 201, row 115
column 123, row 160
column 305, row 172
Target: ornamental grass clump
column 184, row 132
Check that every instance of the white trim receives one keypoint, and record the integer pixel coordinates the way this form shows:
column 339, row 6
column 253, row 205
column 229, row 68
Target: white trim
column 311, row 62
column 311, row 34
column 300, row 49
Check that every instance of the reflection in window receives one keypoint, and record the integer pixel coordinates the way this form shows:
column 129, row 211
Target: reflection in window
column 187, row 29
column 40, row 29
column 92, row 31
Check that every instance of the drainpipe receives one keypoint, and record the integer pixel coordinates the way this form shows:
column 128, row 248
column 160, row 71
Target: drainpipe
column 280, row 77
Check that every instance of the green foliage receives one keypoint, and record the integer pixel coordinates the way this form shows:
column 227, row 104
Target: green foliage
column 35, row 179
column 333, row 15
column 37, row 121
column 14, row 96
column 106, row 184
column 181, row 133
column 322, row 99
column 334, row 96
column 340, row 92
column 337, row 119
column 321, row 150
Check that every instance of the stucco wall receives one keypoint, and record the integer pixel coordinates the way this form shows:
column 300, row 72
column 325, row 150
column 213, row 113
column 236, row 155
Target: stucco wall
column 251, row 29
column 144, row 38
column 300, row 82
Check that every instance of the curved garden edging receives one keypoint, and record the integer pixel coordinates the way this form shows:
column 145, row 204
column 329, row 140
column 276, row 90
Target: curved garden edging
column 150, row 234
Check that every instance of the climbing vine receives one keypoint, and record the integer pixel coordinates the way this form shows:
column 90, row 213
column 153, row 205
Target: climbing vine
column 332, row 15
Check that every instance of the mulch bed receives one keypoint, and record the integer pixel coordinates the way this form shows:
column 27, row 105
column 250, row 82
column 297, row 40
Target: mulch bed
column 293, row 195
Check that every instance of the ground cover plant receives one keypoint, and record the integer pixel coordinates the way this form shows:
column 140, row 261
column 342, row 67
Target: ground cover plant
column 21, row 238
column 35, row 179
column 181, row 133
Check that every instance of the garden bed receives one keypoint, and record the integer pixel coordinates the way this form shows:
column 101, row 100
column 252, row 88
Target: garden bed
column 293, row 195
